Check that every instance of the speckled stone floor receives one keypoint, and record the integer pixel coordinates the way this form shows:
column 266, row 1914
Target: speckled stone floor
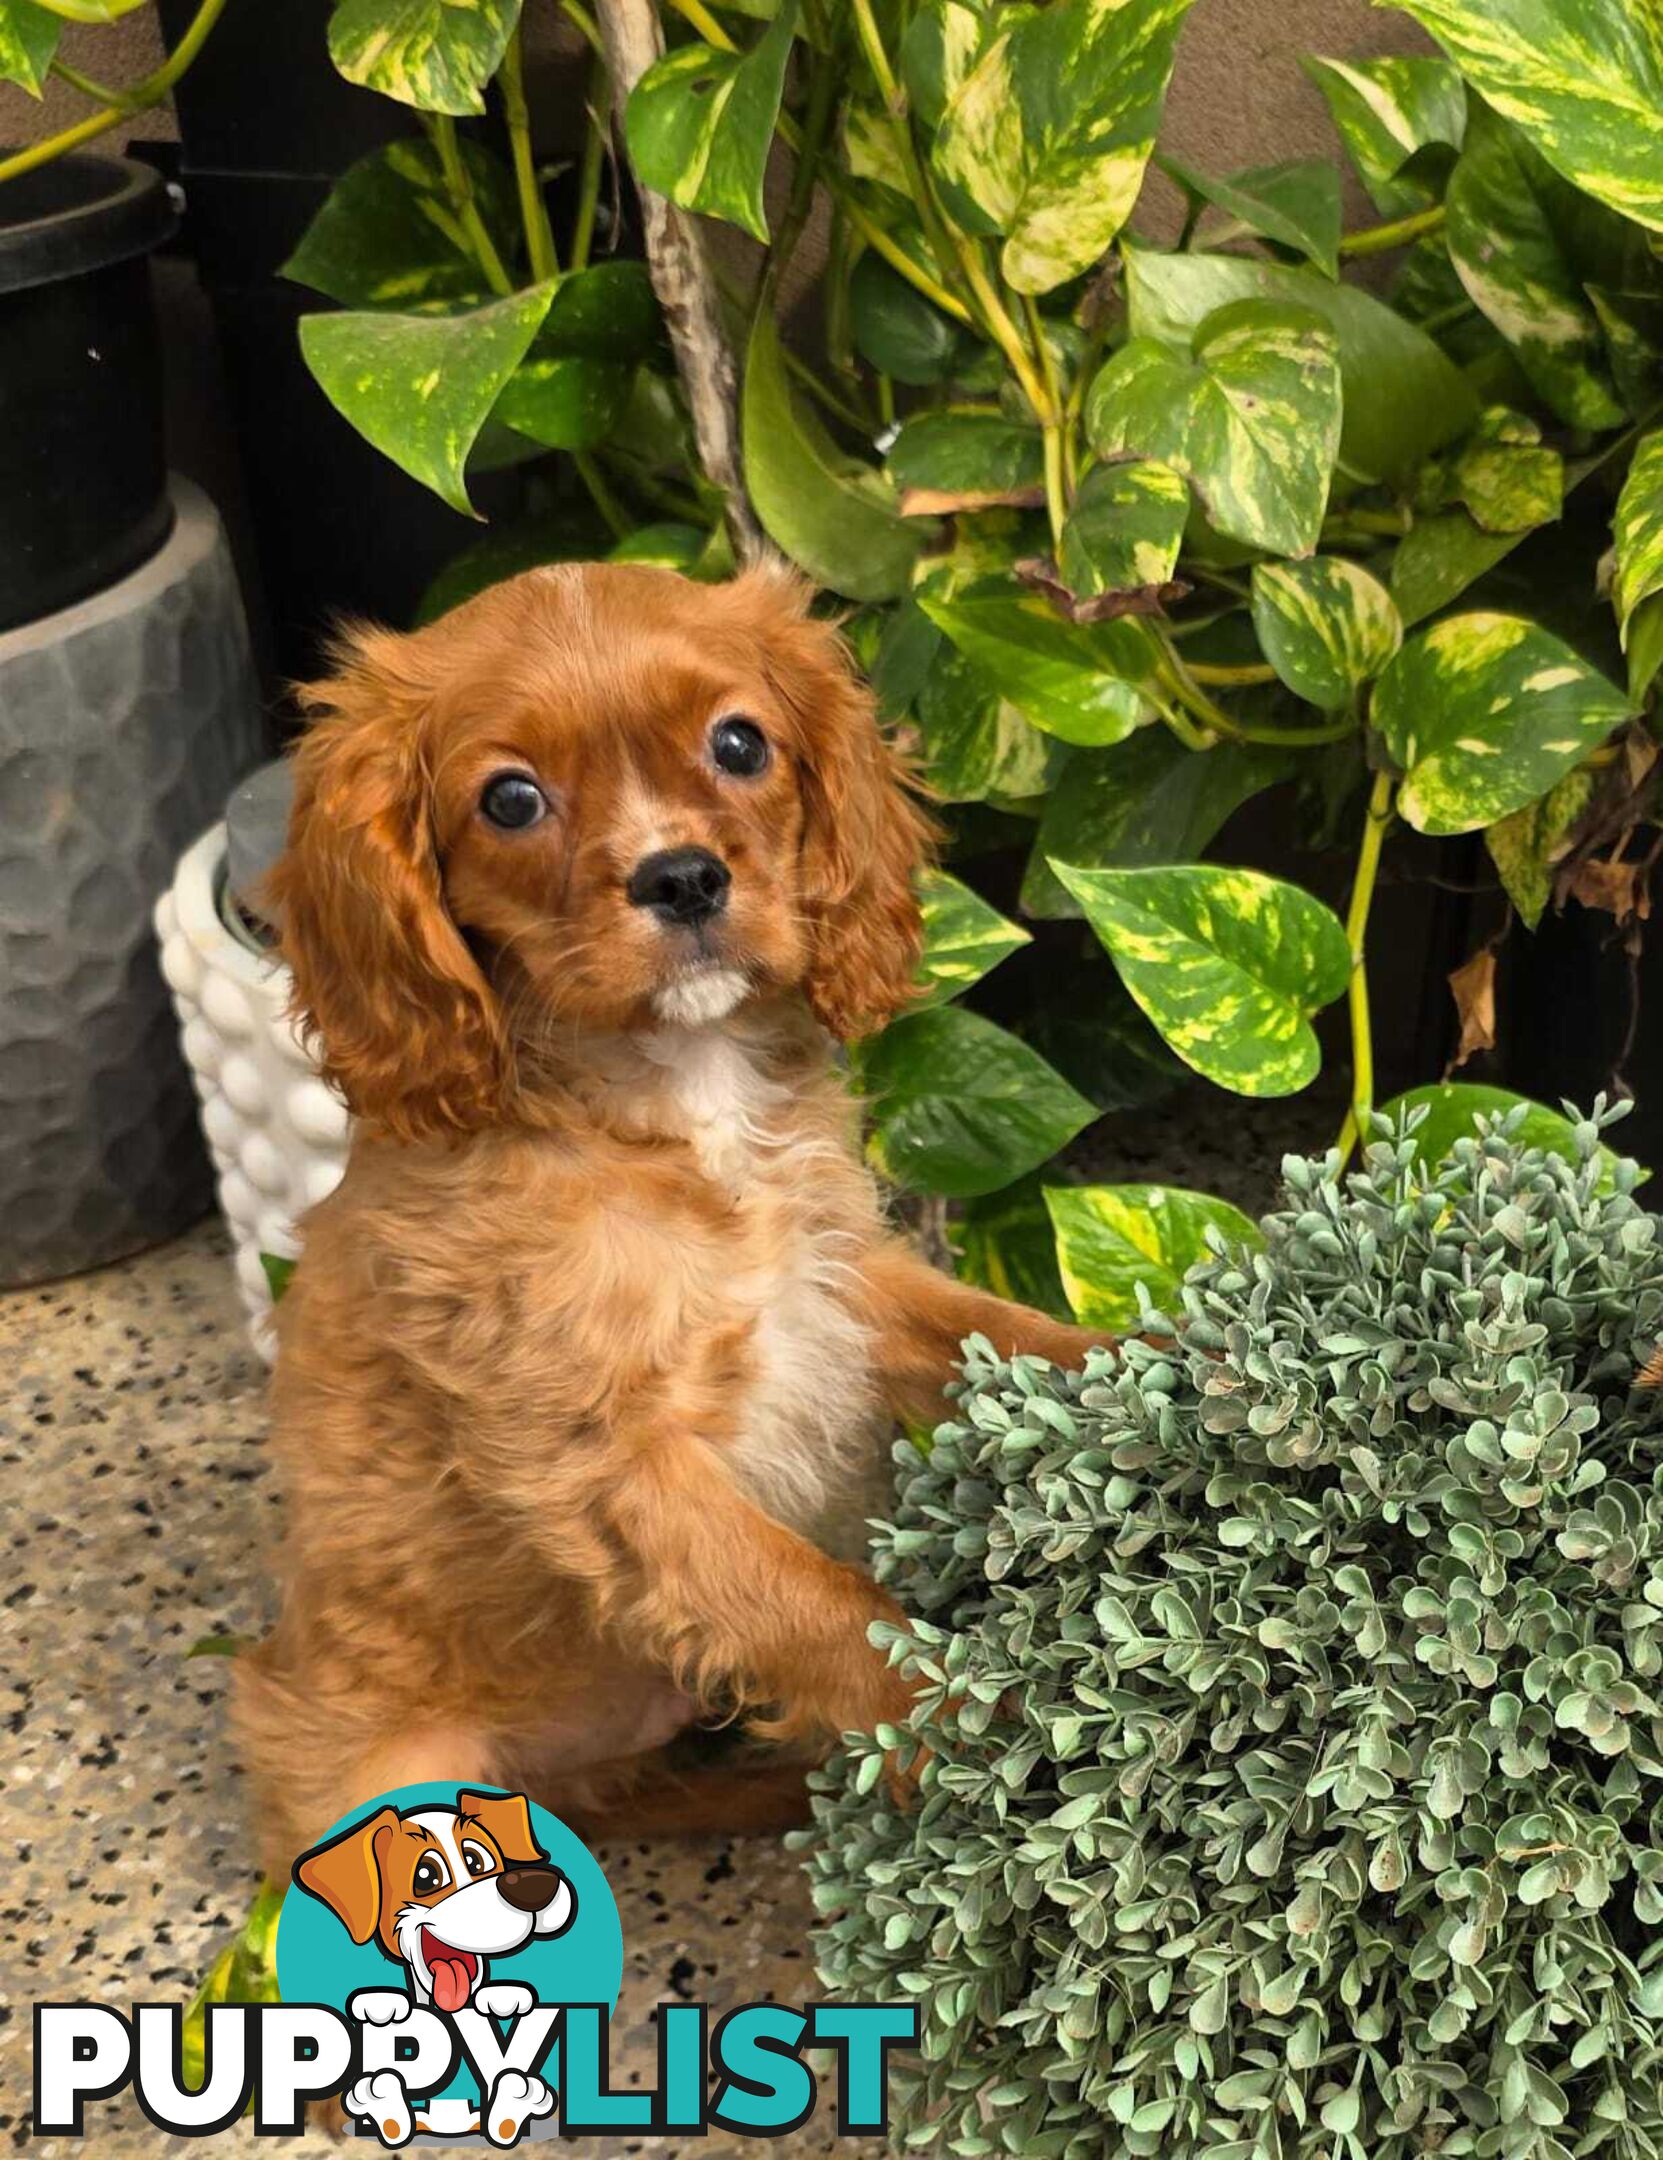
column 135, row 1505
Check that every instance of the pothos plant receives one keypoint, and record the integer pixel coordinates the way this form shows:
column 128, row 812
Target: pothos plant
column 1131, row 533
column 31, row 32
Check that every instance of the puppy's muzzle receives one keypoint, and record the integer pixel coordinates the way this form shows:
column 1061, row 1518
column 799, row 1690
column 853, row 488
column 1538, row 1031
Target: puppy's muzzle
column 529, row 1889
column 685, row 885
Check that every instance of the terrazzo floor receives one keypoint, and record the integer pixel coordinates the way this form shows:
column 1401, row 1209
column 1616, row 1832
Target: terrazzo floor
column 135, row 1502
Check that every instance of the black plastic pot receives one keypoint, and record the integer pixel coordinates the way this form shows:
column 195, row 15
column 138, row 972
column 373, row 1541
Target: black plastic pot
column 83, row 472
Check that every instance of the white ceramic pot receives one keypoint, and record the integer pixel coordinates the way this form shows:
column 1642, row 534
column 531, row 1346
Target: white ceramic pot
column 277, row 1131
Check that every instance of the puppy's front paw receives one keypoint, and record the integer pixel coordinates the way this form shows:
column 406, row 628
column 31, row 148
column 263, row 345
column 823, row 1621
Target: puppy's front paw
column 378, row 2006
column 504, row 1999
column 516, row 2099
column 381, row 2101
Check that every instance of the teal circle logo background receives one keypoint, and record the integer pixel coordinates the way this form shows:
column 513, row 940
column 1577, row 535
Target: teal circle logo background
column 318, row 1961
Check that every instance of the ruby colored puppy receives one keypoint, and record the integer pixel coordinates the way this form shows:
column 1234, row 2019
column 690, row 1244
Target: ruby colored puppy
column 603, row 1326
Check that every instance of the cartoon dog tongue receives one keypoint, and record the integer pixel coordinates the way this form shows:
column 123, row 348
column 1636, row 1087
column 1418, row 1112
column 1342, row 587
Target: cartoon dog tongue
column 452, row 1974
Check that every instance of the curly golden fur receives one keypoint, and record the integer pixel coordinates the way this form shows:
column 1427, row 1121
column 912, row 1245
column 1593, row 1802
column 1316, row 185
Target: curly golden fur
column 602, row 1330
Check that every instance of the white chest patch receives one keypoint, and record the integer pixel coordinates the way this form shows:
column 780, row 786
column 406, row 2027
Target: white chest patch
column 811, row 1444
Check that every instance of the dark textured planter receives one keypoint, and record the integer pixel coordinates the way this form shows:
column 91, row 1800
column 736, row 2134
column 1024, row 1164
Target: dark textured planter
column 124, row 722
column 83, row 474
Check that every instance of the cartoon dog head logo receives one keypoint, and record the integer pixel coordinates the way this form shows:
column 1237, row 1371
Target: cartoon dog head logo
column 442, row 1889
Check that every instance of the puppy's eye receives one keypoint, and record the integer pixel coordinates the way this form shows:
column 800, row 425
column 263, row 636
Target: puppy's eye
column 513, row 801
column 739, row 747
column 476, row 1859
column 431, row 1874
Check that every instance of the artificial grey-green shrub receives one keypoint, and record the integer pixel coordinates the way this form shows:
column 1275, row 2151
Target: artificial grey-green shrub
column 1295, row 1771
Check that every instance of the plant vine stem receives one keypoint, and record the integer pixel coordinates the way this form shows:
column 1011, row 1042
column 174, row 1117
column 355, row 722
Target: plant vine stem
column 617, row 518
column 1004, row 332
column 699, row 16
column 150, row 90
column 1381, row 239
column 100, row 93
column 1375, row 822
column 594, row 159
column 1181, row 681
column 442, row 129
column 1058, row 488
column 1230, row 678
column 534, row 216
column 895, row 112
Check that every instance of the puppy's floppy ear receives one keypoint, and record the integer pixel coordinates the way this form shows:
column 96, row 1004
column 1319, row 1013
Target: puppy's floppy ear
column 405, row 1023
column 345, row 1873
column 507, row 1820
column 864, row 837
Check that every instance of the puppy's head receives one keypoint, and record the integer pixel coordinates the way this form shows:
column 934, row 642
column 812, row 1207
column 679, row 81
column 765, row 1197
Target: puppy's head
column 441, row 1889
column 597, row 798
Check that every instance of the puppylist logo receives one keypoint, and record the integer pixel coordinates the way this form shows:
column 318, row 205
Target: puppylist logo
column 449, row 1959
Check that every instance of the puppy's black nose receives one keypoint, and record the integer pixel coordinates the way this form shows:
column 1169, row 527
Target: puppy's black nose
column 680, row 885
column 529, row 1889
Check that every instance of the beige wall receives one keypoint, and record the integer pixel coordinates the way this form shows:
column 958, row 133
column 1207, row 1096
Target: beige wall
column 1238, row 97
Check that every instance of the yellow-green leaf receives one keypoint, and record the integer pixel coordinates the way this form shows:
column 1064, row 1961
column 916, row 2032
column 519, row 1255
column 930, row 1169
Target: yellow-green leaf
column 1404, row 397
column 1519, row 272
column 831, row 515
column 420, row 387
column 1004, row 1242
column 1638, row 529
column 1582, row 78
column 565, row 401
column 965, row 457
column 700, row 124
column 1439, row 557
column 1229, row 965
column 964, row 938
column 1047, row 135
column 1078, row 681
column 1483, row 713
column 1252, row 418
column 960, row 1107
column 387, row 236
column 1148, row 800
column 28, row 40
column 1510, row 481
column 977, row 746
column 1327, row 626
column 1112, row 1238
column 1388, row 112
column 1522, row 846
column 1124, row 528
column 437, row 55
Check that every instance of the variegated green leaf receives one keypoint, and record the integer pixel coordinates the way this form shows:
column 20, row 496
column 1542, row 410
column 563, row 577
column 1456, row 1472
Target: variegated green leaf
column 1078, row 681
column 28, row 40
column 1582, row 78
column 1229, row 965
column 1522, row 846
column 700, row 124
column 1483, row 713
column 942, row 44
column 976, row 746
column 1004, row 1242
column 1404, row 398
column 1638, row 529
column 1296, row 204
column 870, row 149
column 1439, row 557
column 437, row 55
column 565, row 401
column 967, row 457
column 420, row 387
column 1048, row 134
column 1387, row 112
column 1124, row 528
column 1148, row 800
column 1252, row 418
column 836, row 518
column 961, row 1107
column 1510, row 481
column 387, row 237
column 1327, row 626
column 964, row 938
column 1113, row 1238
column 1519, row 272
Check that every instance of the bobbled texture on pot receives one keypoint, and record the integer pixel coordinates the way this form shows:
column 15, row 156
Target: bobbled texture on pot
column 1296, row 1770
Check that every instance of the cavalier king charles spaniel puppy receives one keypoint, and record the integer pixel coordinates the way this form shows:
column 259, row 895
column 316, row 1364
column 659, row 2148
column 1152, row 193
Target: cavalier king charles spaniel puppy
column 603, row 1328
